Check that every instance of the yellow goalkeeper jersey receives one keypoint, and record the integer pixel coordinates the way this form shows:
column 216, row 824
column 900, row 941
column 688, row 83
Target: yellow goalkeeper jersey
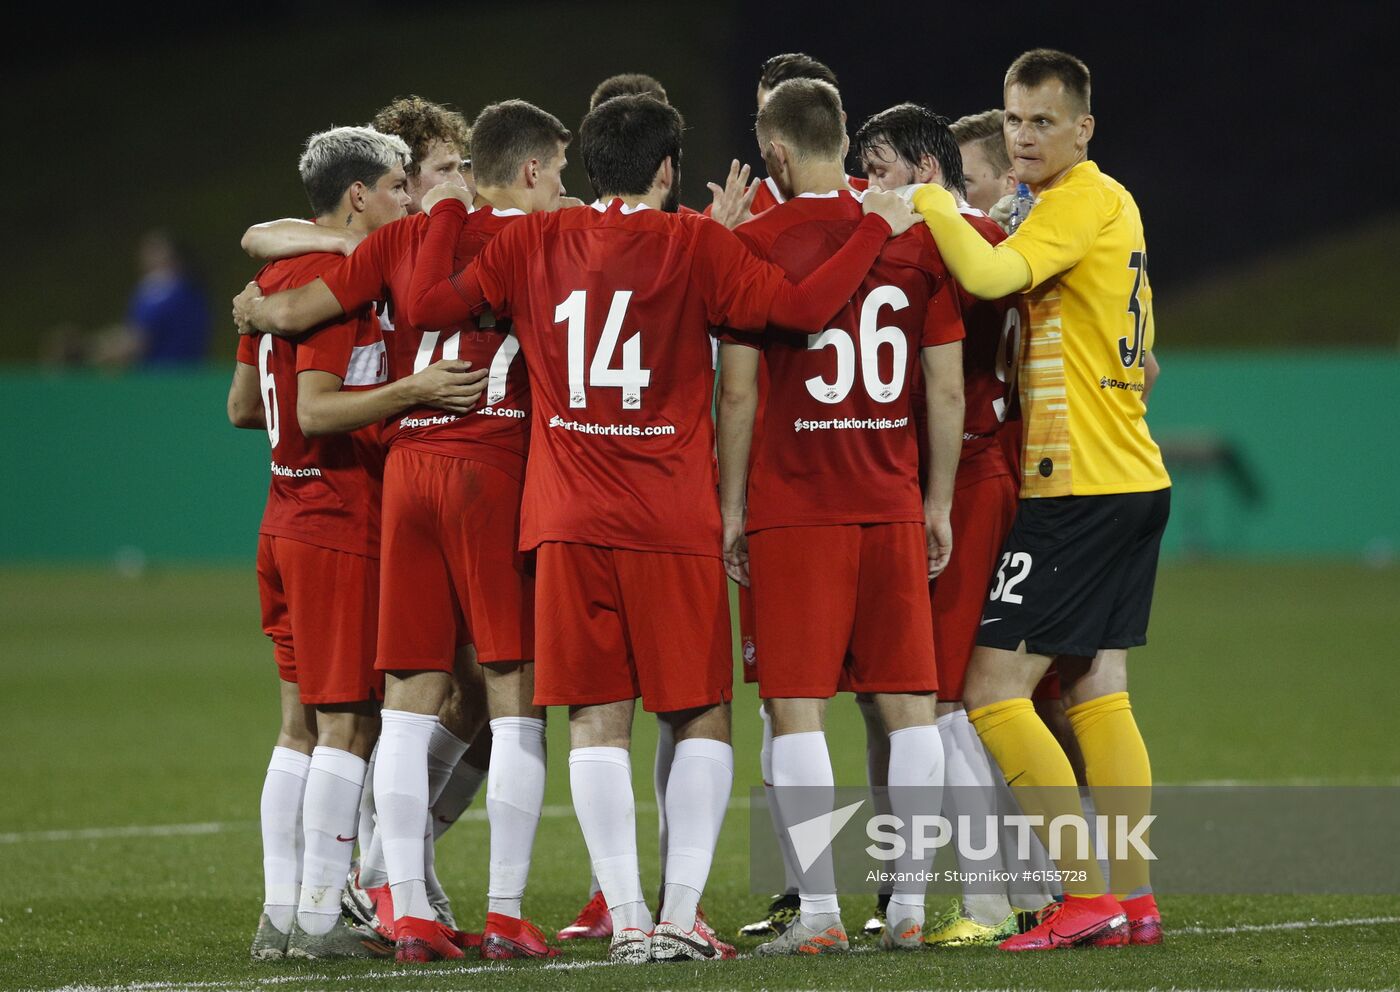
column 1090, row 328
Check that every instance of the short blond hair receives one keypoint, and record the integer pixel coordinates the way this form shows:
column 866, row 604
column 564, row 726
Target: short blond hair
column 986, row 130
column 335, row 160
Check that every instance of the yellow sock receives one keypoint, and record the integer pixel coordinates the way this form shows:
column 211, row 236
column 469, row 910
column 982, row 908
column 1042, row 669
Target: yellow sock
column 1040, row 775
column 1120, row 776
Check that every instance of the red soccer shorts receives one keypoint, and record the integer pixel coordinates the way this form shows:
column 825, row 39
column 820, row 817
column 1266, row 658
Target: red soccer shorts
column 842, row 608
column 452, row 571
column 320, row 607
column 616, row 624
column 748, row 644
column 982, row 515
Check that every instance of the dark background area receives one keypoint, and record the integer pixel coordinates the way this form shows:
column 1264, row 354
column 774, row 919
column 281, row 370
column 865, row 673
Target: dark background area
column 1242, row 130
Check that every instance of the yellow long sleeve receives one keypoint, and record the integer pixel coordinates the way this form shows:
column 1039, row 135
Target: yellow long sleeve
column 985, row 271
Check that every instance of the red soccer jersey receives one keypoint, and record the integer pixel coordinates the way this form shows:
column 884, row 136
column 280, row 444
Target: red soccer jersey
column 613, row 307
column 835, row 445
column 990, row 356
column 324, row 490
column 769, row 196
column 498, row 430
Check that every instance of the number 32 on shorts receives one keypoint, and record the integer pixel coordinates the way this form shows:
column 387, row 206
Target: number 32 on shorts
column 1020, row 564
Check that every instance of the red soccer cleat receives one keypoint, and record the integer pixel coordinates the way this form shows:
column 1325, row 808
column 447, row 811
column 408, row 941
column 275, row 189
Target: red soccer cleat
column 465, row 939
column 1144, row 920
column 424, row 940
column 594, row 920
column 509, row 937
column 702, row 926
column 381, row 911
column 1076, row 922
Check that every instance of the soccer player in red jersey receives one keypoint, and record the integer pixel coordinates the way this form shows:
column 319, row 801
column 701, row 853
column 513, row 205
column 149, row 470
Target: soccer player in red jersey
column 731, row 205
column 453, row 576
column 437, row 137
column 612, row 304
column 900, row 146
column 318, row 549
column 840, row 572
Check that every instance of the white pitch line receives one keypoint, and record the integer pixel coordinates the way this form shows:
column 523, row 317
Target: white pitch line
column 146, row 830
column 477, row 815
column 1363, row 921
column 388, row 976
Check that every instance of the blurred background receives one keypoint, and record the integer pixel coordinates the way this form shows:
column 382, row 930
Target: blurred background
column 157, row 141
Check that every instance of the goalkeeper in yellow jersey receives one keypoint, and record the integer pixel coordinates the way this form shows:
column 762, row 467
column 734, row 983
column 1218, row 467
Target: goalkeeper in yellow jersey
column 1074, row 583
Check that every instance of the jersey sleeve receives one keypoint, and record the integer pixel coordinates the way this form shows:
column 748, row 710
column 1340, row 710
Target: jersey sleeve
column 437, row 297
column 747, row 293
column 943, row 319
column 328, row 349
column 363, row 277
column 248, row 349
column 1060, row 230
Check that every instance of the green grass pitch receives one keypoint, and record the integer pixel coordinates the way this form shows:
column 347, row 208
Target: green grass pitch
column 151, row 702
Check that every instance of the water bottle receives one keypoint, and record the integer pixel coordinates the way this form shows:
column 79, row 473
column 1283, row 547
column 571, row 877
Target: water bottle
column 1020, row 206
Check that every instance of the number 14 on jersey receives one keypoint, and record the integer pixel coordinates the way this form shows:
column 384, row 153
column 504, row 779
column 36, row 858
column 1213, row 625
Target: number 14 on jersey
column 631, row 378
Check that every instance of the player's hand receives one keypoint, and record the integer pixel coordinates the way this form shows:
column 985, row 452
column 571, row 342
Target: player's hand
column 244, row 309
column 733, row 201
column 351, row 240
column 449, row 385
column 446, row 191
column 736, row 549
column 892, row 207
column 939, row 531
column 1001, row 211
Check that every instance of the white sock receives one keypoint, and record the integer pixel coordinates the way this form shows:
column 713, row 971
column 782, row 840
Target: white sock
column 445, row 750
column 328, row 812
column 702, row 775
column 877, row 777
column 514, row 799
column 593, row 887
column 365, row 824
column 765, row 763
column 803, row 760
column 660, row 775
column 401, row 800
column 461, row 788
column 916, row 773
column 969, row 802
column 283, row 788
column 600, row 779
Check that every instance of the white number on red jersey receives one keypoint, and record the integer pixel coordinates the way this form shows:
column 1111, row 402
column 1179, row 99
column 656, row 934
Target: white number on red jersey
column 1008, row 361
column 631, row 378
column 268, row 386
column 872, row 338
column 451, row 348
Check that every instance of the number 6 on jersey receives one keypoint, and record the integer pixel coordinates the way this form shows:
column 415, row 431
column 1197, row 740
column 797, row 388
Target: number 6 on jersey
column 631, row 378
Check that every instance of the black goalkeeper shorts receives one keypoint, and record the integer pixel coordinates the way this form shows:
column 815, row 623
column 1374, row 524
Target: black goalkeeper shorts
column 1076, row 574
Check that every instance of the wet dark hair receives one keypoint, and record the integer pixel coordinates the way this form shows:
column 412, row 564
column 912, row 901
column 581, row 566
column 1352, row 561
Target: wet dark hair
column 914, row 131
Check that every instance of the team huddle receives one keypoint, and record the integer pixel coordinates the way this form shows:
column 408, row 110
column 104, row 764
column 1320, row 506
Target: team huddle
column 503, row 479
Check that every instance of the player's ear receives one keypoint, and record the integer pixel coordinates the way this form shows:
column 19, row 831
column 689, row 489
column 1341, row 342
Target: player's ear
column 359, row 192
column 665, row 175
column 1086, row 129
column 929, row 170
column 531, row 173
